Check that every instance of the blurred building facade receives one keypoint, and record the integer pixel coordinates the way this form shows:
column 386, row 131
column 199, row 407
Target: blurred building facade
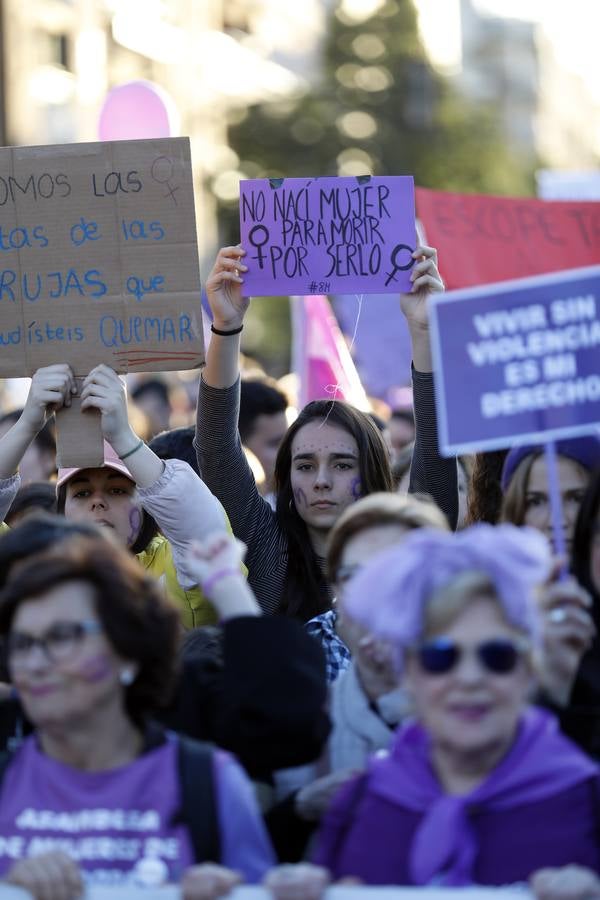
column 60, row 57
column 549, row 114
column 568, row 115
column 213, row 57
column 500, row 68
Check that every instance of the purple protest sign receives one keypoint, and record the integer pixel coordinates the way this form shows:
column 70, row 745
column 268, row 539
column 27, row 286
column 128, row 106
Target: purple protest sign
column 517, row 362
column 327, row 235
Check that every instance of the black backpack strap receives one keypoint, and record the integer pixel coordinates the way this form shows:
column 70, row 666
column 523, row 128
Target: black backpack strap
column 5, row 759
column 198, row 798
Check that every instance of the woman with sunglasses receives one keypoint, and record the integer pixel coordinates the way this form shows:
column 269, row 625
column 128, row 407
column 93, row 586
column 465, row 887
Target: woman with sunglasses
column 481, row 788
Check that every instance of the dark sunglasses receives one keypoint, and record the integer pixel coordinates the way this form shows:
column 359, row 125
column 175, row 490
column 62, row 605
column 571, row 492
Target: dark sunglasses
column 499, row 655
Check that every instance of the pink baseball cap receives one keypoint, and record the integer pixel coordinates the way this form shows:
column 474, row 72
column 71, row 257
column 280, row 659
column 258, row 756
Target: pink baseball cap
column 111, row 461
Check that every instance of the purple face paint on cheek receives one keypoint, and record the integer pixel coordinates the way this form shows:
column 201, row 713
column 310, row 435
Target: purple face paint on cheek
column 95, row 669
column 135, row 523
column 300, row 497
column 356, row 488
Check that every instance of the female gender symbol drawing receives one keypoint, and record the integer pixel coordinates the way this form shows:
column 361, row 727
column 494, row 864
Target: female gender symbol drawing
column 258, row 245
column 162, row 172
column 394, row 261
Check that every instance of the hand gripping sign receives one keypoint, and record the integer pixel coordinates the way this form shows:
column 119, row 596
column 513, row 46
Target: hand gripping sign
column 98, row 264
column 307, row 236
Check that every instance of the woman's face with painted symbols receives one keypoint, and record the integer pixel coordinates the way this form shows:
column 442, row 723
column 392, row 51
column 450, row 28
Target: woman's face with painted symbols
column 107, row 498
column 325, row 473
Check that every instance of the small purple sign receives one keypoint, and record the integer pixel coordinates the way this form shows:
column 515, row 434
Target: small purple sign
column 517, row 362
column 327, row 235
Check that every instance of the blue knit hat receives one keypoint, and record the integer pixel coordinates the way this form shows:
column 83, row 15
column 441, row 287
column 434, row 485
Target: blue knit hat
column 584, row 450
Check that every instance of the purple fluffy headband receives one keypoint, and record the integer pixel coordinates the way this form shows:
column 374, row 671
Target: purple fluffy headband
column 390, row 593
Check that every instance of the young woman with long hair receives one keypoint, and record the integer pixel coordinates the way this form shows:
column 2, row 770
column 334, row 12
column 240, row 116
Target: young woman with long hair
column 332, row 455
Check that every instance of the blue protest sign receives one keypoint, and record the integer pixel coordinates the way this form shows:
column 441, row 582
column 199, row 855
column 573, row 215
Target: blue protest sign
column 517, row 361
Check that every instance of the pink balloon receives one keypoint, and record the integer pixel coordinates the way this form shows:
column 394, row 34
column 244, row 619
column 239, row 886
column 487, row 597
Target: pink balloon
column 138, row 109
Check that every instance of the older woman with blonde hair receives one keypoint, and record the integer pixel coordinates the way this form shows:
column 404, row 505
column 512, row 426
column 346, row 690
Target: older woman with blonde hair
column 481, row 788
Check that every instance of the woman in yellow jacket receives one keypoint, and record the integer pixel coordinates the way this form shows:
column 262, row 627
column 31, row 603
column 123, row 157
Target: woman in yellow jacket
column 152, row 506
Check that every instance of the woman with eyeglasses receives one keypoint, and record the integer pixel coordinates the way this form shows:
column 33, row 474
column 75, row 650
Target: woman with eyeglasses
column 480, row 788
column 98, row 793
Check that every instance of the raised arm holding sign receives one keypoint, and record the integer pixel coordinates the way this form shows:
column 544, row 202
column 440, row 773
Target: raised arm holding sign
column 52, row 388
column 133, row 493
column 99, row 275
column 98, row 264
column 329, row 458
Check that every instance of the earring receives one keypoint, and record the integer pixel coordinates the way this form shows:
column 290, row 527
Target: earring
column 127, row 677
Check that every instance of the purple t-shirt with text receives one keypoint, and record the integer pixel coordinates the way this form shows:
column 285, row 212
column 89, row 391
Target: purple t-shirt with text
column 107, row 822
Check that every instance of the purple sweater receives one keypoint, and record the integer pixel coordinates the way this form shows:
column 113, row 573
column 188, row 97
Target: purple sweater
column 108, row 821
column 539, row 808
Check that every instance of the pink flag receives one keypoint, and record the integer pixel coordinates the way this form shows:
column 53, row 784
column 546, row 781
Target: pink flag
column 320, row 356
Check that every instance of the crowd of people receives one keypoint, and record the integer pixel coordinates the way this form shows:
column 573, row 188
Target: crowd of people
column 269, row 649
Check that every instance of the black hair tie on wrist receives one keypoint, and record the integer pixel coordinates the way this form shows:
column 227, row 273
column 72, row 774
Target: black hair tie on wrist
column 225, row 333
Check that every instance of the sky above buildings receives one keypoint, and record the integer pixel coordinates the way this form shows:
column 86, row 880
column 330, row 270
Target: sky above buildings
column 572, row 28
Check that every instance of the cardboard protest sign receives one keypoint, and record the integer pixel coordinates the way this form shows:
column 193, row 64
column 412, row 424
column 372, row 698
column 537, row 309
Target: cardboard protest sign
column 483, row 239
column 79, row 440
column 517, row 361
column 327, row 235
column 98, row 257
column 98, row 264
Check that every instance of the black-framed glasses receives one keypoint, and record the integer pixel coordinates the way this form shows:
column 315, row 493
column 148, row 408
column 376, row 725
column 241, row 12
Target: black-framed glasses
column 499, row 656
column 59, row 643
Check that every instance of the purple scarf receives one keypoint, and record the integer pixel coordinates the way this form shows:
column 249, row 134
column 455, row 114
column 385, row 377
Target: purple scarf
column 540, row 764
